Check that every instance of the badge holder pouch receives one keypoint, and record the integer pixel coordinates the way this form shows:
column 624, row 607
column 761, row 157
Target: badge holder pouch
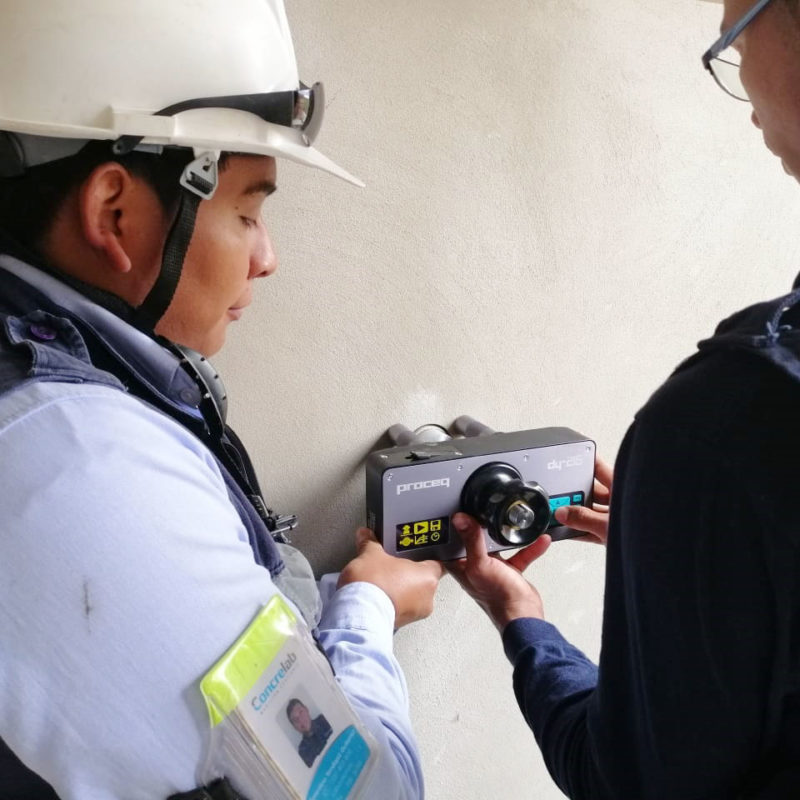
column 281, row 727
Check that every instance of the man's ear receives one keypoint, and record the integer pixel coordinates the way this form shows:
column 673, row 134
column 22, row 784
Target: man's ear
column 104, row 200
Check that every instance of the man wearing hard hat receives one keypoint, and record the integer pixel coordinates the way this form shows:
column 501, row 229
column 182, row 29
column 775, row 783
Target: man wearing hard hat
column 697, row 694
column 153, row 622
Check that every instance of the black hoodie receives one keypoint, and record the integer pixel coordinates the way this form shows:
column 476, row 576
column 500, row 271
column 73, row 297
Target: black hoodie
column 698, row 689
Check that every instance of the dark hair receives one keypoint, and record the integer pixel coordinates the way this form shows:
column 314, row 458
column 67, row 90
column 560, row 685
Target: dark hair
column 29, row 203
column 292, row 703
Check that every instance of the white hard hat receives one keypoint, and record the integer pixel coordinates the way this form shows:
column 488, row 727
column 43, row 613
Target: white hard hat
column 212, row 75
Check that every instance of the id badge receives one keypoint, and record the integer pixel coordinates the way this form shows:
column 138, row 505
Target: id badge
column 281, row 727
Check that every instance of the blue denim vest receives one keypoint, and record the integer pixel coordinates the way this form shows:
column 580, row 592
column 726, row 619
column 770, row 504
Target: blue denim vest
column 38, row 342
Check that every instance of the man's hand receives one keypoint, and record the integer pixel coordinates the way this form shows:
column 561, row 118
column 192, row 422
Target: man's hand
column 410, row 585
column 594, row 520
column 496, row 584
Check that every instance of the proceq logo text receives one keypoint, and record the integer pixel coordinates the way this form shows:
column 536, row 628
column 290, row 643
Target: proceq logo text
column 414, row 487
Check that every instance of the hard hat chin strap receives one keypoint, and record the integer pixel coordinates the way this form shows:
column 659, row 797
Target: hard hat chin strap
column 199, row 182
column 160, row 296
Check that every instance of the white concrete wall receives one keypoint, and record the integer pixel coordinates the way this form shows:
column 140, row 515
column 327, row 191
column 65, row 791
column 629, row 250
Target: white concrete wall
column 560, row 203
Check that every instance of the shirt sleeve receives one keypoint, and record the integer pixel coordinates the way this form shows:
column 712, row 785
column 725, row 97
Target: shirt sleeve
column 125, row 573
column 691, row 633
column 356, row 632
column 552, row 681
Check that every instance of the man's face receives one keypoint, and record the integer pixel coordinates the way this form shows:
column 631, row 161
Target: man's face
column 300, row 718
column 229, row 249
column 770, row 71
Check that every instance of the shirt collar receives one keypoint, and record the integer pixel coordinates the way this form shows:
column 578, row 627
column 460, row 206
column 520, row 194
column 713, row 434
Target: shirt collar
column 155, row 365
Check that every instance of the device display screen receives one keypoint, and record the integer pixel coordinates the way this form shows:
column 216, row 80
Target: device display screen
column 422, row 533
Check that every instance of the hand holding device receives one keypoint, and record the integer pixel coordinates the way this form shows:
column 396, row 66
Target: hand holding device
column 497, row 585
column 410, row 586
column 591, row 519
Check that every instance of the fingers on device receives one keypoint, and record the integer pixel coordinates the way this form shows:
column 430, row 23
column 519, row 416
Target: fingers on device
column 511, row 482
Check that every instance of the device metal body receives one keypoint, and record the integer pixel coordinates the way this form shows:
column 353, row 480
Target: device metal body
column 414, row 488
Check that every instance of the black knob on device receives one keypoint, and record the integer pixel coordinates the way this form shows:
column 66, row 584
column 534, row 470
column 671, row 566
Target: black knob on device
column 514, row 512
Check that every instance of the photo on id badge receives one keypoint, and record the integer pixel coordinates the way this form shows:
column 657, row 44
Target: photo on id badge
column 305, row 725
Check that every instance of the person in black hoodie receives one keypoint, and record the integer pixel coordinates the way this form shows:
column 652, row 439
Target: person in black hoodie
column 697, row 693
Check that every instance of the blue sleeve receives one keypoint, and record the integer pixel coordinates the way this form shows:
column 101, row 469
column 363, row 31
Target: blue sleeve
column 552, row 681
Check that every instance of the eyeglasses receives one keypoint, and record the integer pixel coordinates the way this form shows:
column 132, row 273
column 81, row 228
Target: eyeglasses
column 722, row 60
column 301, row 109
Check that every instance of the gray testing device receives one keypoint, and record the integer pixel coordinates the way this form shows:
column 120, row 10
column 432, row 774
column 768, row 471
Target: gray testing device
column 511, row 482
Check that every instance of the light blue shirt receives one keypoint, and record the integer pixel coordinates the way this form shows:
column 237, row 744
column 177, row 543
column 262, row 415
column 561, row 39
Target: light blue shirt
column 125, row 573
